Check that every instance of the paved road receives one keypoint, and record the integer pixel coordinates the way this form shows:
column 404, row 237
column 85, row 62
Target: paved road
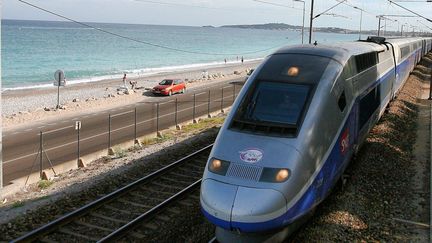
column 20, row 148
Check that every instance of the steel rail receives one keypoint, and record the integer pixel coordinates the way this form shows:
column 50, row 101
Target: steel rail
column 149, row 214
column 53, row 225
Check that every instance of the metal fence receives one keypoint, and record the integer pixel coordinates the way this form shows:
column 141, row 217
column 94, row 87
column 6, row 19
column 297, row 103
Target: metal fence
column 71, row 142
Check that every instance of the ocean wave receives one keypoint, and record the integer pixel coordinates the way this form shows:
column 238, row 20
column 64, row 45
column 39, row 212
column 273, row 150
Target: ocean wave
column 53, row 28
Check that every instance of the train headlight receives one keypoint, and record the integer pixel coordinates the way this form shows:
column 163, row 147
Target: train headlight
column 218, row 166
column 275, row 175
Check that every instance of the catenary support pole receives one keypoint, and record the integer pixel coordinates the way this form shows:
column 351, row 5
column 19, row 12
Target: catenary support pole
column 310, row 25
column 379, row 25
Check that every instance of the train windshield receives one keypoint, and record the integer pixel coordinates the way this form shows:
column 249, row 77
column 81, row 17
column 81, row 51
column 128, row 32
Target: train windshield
column 276, row 102
column 279, row 95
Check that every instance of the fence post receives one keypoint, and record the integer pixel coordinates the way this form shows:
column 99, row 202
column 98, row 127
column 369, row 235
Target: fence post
column 135, row 129
column 234, row 96
column 79, row 161
column 194, row 104
column 158, row 134
column 41, row 155
column 208, row 105
column 110, row 150
column 430, row 88
column 222, row 110
column 178, row 127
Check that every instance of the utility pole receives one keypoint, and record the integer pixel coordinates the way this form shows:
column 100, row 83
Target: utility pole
column 379, row 25
column 311, row 19
column 361, row 18
column 303, row 17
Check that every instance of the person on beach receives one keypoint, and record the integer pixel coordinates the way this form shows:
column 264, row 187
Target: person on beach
column 133, row 84
column 242, row 59
column 225, row 60
column 124, row 81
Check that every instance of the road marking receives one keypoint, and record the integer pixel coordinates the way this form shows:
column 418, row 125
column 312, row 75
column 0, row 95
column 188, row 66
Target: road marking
column 56, row 130
column 101, row 134
column 201, row 93
column 164, row 103
column 123, row 113
column 41, row 127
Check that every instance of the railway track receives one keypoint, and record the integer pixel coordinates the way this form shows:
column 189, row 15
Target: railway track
column 128, row 212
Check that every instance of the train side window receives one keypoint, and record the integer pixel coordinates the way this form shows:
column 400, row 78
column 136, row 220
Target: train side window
column 368, row 105
column 342, row 101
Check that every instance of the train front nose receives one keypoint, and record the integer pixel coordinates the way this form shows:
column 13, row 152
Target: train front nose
column 241, row 208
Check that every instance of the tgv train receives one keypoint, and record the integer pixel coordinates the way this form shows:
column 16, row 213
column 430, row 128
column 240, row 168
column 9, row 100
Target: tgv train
column 293, row 128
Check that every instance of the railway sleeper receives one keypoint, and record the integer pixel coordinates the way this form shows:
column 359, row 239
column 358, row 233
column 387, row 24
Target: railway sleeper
column 164, row 218
column 187, row 202
column 69, row 232
column 97, row 215
column 167, row 186
column 93, row 226
column 174, row 211
column 180, row 175
column 120, row 210
column 185, row 183
column 46, row 240
column 151, row 226
column 153, row 197
column 134, row 204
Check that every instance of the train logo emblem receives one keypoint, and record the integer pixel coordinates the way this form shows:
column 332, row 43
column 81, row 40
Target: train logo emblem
column 344, row 144
column 251, row 155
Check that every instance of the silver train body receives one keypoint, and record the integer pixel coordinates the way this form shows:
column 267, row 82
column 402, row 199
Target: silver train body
column 271, row 166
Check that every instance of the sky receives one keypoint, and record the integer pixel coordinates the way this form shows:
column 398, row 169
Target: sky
column 223, row 12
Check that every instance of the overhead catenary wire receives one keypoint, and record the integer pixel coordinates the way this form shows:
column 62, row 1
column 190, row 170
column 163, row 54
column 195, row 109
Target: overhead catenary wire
column 145, row 42
column 277, row 4
column 179, row 4
column 332, row 7
column 409, row 10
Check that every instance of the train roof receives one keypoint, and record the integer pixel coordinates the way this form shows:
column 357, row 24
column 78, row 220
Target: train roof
column 339, row 52
column 342, row 51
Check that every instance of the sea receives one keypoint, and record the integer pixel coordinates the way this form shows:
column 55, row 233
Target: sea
column 31, row 51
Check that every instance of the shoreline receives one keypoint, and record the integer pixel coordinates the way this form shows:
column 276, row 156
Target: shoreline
column 19, row 107
column 135, row 74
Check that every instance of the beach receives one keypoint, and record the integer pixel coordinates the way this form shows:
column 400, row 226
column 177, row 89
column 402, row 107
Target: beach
column 21, row 107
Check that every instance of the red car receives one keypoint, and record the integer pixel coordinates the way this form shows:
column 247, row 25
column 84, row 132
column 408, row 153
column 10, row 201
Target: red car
column 169, row 87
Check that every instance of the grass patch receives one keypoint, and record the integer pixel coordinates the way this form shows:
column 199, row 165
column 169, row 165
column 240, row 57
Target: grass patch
column 106, row 158
column 42, row 198
column 120, row 153
column 18, row 204
column 193, row 127
column 134, row 148
column 204, row 124
column 43, row 184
